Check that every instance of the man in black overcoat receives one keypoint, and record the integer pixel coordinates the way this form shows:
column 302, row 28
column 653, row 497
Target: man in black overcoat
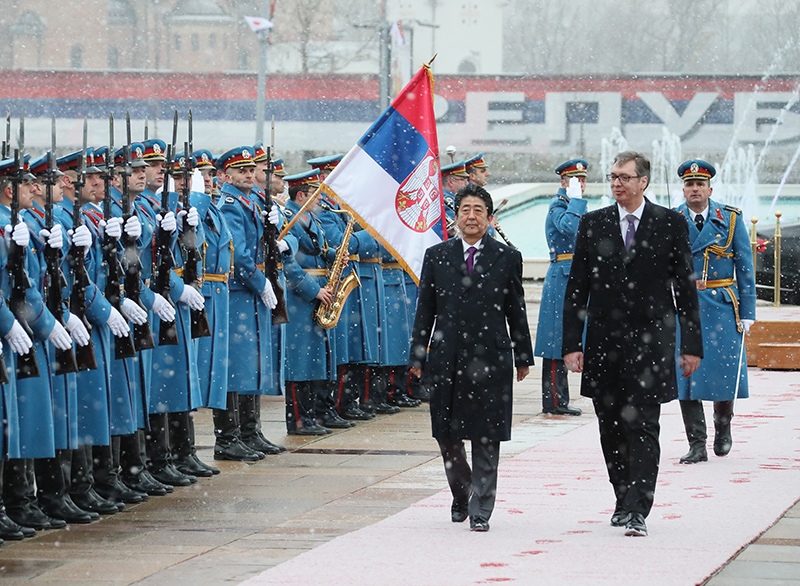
column 631, row 275
column 471, row 314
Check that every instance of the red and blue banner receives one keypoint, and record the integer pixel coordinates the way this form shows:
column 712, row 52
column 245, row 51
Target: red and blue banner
column 391, row 181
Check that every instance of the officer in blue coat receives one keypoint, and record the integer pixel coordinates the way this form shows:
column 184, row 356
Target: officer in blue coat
column 454, row 177
column 561, row 228
column 723, row 264
column 251, row 302
column 310, row 355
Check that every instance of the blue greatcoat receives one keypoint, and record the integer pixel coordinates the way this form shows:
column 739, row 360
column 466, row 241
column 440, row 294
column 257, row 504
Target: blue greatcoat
column 353, row 343
column 128, row 392
column 212, row 351
column 250, row 369
column 561, row 229
column 395, row 328
column 8, row 392
column 34, row 433
column 64, row 392
column 174, row 378
column 724, row 241
column 308, row 352
column 94, row 396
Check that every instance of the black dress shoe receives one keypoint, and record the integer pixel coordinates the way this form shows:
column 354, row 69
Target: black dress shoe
column 310, row 430
column 256, row 444
column 620, row 518
column 31, row 516
column 269, row 443
column 405, row 401
column 236, row 451
column 141, row 483
column 13, row 531
column 356, row 414
column 563, row 410
column 723, row 441
column 214, row 470
column 386, row 409
column 117, row 492
column 636, row 526
column 94, row 516
column 697, row 453
column 458, row 513
column 168, row 474
column 148, row 478
column 336, row 422
column 66, row 511
column 91, row 501
column 188, row 466
column 478, row 524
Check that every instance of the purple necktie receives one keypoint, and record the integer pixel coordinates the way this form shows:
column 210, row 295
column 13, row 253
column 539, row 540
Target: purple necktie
column 471, row 258
column 631, row 231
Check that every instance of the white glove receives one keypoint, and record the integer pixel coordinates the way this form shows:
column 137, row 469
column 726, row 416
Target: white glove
column 274, row 216
column 112, row 227
column 119, row 327
column 20, row 234
column 54, row 238
column 282, row 246
column 81, row 238
column 60, row 338
column 133, row 227
column 77, row 330
column 167, row 223
column 574, row 189
column 133, row 311
column 268, row 296
column 192, row 297
column 19, row 341
column 191, row 218
column 746, row 324
column 163, row 309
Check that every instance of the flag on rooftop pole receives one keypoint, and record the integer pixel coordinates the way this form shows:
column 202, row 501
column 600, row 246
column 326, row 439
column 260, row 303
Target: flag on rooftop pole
column 258, row 23
column 391, row 181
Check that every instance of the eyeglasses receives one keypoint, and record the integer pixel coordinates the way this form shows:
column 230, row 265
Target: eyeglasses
column 611, row 177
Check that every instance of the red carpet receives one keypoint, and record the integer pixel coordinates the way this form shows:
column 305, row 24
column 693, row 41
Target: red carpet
column 551, row 522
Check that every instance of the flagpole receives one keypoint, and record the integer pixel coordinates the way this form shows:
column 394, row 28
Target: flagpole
column 301, row 211
column 261, row 96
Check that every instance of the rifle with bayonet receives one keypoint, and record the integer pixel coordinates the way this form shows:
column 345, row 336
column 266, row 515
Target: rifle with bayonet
column 165, row 261
column 269, row 241
column 27, row 364
column 191, row 256
column 77, row 263
column 123, row 347
column 142, row 336
column 7, row 141
column 54, row 279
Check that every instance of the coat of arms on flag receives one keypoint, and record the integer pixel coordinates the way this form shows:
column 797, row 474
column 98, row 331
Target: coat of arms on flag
column 391, row 182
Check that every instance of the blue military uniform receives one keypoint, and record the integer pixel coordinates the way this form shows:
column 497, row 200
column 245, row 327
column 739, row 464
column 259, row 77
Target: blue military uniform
column 723, row 264
column 561, row 229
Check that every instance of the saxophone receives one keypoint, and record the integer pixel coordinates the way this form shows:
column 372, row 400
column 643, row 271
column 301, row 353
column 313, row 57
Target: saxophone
column 327, row 315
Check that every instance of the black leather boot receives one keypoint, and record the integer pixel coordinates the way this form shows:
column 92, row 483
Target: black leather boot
column 723, row 413
column 51, row 492
column 181, row 441
column 228, row 445
column 694, row 421
column 250, row 426
column 133, row 469
column 107, row 483
column 159, row 458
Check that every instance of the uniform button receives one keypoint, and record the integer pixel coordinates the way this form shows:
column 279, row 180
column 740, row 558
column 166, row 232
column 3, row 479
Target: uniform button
column 713, row 292
column 218, row 290
column 715, row 273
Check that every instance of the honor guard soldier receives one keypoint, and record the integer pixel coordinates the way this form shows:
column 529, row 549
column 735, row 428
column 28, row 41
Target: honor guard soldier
column 561, row 228
column 278, row 185
column 454, row 177
column 723, row 261
column 35, row 432
column 205, row 164
column 251, row 302
column 477, row 170
column 310, row 356
column 51, row 473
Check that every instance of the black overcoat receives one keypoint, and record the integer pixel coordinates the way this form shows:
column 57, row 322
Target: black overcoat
column 477, row 329
column 628, row 301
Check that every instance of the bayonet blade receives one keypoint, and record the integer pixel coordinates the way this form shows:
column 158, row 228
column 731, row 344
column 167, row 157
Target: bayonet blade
column 128, row 125
column 53, row 137
column 146, row 128
column 22, row 133
column 174, row 131
column 111, row 135
column 272, row 137
column 191, row 142
column 85, row 146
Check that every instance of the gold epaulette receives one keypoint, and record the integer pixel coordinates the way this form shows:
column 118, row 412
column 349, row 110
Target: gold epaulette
column 565, row 256
column 733, row 209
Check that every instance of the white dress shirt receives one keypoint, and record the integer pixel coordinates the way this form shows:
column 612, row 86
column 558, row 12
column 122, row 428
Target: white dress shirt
column 623, row 218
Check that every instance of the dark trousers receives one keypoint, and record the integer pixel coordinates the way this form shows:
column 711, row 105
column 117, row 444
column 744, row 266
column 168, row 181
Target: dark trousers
column 350, row 380
column 629, row 438
column 473, row 489
column 555, row 389
column 300, row 403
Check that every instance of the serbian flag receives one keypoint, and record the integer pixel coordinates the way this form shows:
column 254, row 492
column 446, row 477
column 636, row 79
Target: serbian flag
column 390, row 180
